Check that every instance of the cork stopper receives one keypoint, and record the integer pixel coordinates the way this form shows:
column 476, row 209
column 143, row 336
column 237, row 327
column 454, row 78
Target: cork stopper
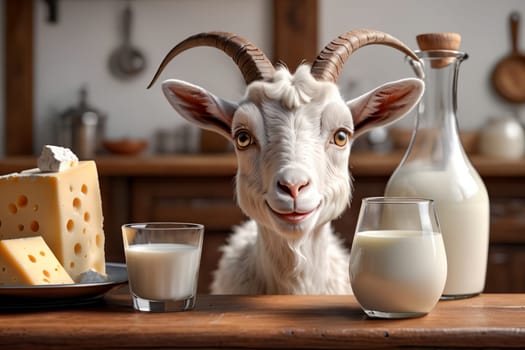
column 439, row 41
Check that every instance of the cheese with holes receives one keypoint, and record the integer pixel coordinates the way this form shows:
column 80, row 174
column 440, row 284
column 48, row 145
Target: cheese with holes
column 29, row 261
column 64, row 208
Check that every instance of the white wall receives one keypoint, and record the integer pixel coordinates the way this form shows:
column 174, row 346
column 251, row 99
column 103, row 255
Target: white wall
column 483, row 25
column 75, row 51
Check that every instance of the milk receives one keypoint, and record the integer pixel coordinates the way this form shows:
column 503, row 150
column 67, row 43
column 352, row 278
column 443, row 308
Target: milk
column 398, row 271
column 463, row 211
column 162, row 271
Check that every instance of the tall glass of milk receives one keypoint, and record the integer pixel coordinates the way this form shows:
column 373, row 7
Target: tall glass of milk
column 163, row 260
column 398, row 264
column 436, row 166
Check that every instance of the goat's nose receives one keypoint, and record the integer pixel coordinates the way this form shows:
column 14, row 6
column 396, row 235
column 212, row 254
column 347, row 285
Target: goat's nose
column 292, row 189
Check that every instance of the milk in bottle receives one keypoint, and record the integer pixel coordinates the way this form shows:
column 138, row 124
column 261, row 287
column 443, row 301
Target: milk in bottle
column 435, row 166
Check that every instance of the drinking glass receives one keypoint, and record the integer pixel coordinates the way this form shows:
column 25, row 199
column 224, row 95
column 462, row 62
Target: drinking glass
column 163, row 260
column 398, row 265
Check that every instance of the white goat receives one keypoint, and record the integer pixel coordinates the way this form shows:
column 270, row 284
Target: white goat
column 292, row 134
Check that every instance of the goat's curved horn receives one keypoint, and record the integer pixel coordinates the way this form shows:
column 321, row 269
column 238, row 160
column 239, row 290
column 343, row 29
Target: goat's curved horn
column 330, row 62
column 252, row 62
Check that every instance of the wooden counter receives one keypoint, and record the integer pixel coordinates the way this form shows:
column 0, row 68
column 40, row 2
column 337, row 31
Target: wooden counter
column 194, row 165
column 199, row 188
column 361, row 164
column 272, row 322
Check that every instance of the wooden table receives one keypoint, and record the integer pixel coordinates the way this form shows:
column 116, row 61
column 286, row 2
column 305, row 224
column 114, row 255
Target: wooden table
column 486, row 321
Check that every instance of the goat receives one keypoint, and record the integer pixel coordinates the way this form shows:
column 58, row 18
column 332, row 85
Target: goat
column 292, row 135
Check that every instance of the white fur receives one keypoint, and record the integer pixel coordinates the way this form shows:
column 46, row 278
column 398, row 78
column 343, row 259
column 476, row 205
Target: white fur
column 292, row 166
column 255, row 265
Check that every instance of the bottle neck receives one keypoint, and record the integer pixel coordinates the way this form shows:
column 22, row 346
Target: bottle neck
column 436, row 132
column 438, row 104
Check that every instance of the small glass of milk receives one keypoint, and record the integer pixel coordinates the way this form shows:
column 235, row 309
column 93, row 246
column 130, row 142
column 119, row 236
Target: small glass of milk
column 398, row 265
column 163, row 260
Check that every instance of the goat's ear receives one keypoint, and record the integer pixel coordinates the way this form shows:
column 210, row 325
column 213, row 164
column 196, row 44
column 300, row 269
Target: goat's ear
column 385, row 104
column 200, row 107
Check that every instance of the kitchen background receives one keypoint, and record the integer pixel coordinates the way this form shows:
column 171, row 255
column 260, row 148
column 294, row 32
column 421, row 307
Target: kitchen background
column 74, row 52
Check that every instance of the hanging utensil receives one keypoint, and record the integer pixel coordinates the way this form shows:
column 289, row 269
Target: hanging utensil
column 508, row 77
column 126, row 61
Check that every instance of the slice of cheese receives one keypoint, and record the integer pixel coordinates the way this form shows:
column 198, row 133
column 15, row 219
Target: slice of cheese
column 29, row 261
column 63, row 207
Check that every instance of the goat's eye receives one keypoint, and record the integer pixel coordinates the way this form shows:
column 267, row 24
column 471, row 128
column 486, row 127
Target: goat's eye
column 243, row 139
column 340, row 138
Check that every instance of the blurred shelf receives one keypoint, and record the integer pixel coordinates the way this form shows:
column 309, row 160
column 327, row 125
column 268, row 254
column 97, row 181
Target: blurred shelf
column 361, row 164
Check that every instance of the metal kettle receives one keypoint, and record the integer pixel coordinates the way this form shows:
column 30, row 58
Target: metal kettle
column 82, row 128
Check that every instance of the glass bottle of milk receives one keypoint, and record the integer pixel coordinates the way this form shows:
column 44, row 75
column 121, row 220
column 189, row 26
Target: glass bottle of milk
column 436, row 166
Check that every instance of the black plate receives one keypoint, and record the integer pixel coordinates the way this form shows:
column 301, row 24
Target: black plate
column 16, row 297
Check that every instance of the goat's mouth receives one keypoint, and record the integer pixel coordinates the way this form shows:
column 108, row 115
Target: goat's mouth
column 293, row 217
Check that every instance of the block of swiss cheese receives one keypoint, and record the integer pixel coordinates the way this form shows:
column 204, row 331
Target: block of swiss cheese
column 29, row 261
column 63, row 207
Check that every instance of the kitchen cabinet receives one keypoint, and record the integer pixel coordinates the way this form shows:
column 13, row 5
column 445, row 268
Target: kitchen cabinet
column 200, row 188
column 209, row 198
column 505, row 269
column 505, row 272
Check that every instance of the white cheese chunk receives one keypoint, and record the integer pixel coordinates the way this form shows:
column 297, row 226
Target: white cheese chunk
column 56, row 159
column 92, row 276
